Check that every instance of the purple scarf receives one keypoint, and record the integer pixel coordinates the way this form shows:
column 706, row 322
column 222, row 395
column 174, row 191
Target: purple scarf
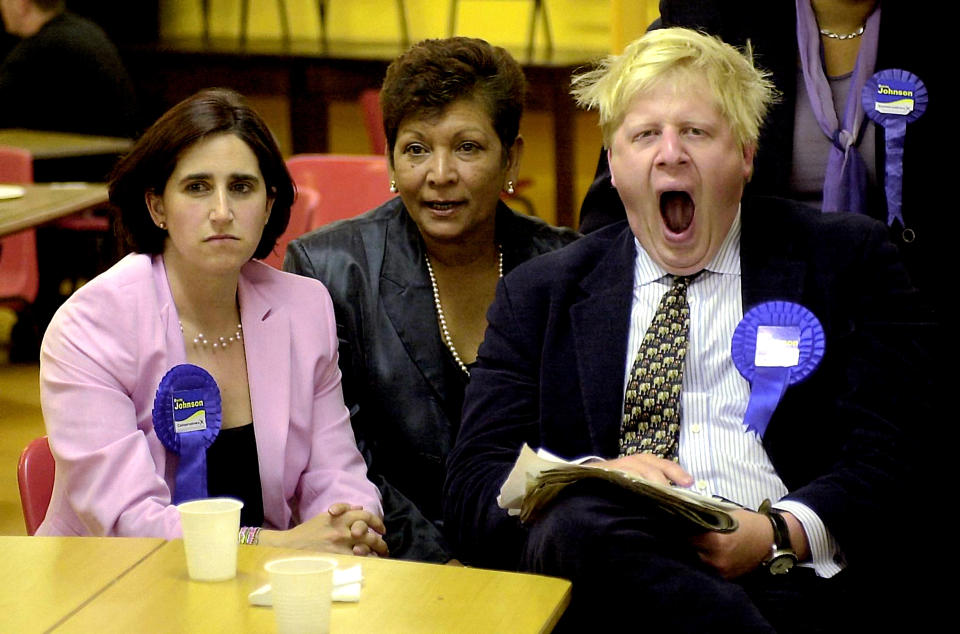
column 845, row 183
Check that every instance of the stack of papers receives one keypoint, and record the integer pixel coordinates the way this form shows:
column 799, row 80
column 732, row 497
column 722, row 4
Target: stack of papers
column 537, row 478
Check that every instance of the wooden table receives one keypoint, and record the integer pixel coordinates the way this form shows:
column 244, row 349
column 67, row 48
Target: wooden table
column 58, row 145
column 156, row 594
column 45, row 579
column 42, row 203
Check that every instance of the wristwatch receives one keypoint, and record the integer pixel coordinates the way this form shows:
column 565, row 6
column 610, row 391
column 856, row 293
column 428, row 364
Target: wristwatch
column 782, row 558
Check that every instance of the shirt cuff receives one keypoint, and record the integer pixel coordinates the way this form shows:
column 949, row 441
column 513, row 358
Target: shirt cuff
column 825, row 556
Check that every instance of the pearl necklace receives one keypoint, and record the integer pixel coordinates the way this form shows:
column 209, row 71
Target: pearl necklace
column 220, row 342
column 843, row 36
column 441, row 318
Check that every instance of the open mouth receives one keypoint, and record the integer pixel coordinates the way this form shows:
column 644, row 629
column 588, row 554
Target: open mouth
column 676, row 209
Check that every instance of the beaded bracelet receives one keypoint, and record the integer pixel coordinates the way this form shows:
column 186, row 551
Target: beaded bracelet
column 249, row 535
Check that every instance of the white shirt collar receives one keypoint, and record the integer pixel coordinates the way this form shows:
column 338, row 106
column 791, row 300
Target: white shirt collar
column 725, row 262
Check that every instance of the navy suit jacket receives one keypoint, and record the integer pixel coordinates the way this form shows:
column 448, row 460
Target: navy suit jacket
column 550, row 371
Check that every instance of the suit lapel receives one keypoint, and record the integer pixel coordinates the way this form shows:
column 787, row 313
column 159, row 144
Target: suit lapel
column 408, row 301
column 600, row 324
column 266, row 339
column 176, row 352
column 173, row 348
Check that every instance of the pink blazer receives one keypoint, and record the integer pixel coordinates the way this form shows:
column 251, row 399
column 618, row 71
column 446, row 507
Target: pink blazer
column 102, row 358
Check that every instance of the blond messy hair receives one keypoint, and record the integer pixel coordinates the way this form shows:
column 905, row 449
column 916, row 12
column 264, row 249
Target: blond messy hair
column 743, row 93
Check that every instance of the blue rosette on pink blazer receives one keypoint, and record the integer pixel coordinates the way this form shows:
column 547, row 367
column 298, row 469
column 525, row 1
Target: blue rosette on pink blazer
column 186, row 417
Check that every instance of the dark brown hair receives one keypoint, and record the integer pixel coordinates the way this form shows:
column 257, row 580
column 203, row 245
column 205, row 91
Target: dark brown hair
column 432, row 74
column 154, row 157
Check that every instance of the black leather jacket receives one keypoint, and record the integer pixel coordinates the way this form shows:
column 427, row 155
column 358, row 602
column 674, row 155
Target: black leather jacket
column 401, row 384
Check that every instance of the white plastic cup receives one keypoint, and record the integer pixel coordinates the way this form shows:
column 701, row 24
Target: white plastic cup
column 302, row 592
column 210, row 531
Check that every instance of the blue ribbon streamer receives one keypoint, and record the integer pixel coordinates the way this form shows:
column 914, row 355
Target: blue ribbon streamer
column 191, row 480
column 893, row 183
column 768, row 387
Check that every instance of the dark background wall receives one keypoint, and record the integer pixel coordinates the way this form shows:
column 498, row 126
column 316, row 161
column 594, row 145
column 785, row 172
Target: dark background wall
column 125, row 21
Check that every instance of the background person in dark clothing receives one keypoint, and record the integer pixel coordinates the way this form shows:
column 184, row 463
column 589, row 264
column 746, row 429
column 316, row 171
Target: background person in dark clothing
column 64, row 74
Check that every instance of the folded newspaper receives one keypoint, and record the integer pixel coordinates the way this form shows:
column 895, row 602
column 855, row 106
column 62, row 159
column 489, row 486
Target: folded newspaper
column 537, row 478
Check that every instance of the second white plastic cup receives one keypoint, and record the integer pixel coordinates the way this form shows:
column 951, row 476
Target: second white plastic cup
column 210, row 529
column 302, row 590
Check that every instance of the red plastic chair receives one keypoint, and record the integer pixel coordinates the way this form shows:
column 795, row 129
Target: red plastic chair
column 19, row 277
column 16, row 165
column 373, row 120
column 86, row 220
column 301, row 215
column 348, row 184
column 35, row 478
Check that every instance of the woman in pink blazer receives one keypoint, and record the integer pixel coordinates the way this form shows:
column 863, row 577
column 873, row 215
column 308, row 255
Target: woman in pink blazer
column 201, row 194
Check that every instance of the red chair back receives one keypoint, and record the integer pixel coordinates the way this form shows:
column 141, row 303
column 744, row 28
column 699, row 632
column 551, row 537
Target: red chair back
column 16, row 165
column 35, row 478
column 348, row 184
column 373, row 120
column 19, row 277
column 301, row 215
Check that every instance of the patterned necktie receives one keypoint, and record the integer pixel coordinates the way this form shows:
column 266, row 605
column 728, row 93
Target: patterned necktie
column 651, row 407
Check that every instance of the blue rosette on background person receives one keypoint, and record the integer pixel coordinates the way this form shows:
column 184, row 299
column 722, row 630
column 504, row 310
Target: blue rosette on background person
column 893, row 98
column 186, row 417
column 775, row 345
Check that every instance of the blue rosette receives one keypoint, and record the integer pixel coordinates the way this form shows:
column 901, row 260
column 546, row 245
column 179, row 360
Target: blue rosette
column 893, row 98
column 775, row 345
column 186, row 417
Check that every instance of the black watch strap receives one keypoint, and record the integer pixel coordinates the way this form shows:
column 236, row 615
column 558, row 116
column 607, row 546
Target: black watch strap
column 782, row 558
column 781, row 533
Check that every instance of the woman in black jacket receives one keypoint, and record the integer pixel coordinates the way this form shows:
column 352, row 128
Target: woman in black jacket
column 412, row 280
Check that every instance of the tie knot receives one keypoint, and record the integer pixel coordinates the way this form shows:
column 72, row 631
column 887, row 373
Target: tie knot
column 680, row 282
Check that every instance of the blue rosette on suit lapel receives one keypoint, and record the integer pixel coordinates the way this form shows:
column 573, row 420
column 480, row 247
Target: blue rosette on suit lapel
column 186, row 417
column 893, row 98
column 775, row 345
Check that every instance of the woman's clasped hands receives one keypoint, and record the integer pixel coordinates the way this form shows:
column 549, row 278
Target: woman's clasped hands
column 345, row 529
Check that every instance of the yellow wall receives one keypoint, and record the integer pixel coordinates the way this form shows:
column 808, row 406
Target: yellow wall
column 580, row 24
column 588, row 27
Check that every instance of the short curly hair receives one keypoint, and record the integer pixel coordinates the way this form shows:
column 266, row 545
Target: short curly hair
column 154, row 157
column 432, row 74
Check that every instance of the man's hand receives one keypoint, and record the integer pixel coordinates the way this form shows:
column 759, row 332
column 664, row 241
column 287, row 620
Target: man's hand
column 344, row 529
column 650, row 467
column 737, row 553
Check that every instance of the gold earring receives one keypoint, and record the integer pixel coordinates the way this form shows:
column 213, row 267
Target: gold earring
column 393, row 186
column 162, row 225
column 510, row 188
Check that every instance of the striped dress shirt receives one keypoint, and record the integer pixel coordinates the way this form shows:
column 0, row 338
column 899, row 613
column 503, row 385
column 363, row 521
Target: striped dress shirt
column 724, row 458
